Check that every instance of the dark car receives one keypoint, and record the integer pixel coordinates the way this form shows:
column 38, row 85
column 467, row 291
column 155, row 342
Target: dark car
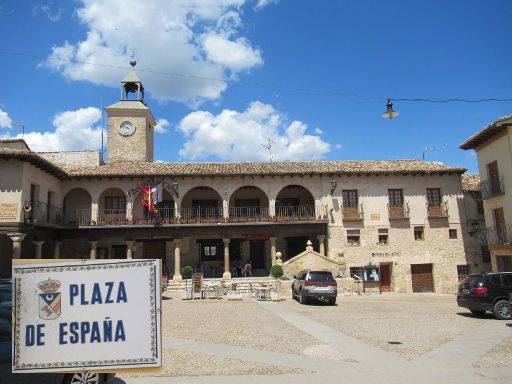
column 315, row 285
column 6, row 375
column 487, row 292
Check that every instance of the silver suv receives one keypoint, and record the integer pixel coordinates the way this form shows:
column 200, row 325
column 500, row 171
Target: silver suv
column 315, row 285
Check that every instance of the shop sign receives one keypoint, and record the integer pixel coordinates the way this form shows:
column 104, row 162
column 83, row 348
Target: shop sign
column 375, row 216
column 256, row 237
column 74, row 316
column 386, row 254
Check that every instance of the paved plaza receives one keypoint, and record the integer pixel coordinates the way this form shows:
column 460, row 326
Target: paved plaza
column 388, row 338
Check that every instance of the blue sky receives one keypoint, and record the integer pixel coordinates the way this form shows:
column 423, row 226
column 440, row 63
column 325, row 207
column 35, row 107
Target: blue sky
column 223, row 77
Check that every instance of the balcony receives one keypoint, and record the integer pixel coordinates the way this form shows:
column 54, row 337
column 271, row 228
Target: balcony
column 119, row 217
column 492, row 187
column 352, row 213
column 439, row 211
column 37, row 212
column 398, row 212
column 497, row 235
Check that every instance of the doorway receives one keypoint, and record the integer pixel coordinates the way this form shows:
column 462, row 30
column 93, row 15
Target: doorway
column 385, row 277
column 155, row 249
column 422, row 278
column 504, row 263
column 257, row 254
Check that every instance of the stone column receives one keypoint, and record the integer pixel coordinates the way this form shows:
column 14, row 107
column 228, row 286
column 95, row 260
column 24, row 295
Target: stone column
column 94, row 211
column 321, row 240
column 92, row 251
column 272, row 208
column 39, row 249
column 129, row 249
column 273, row 249
column 177, row 260
column 16, row 238
column 226, row 275
column 225, row 210
column 56, row 250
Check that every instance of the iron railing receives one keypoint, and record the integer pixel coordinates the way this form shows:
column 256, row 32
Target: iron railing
column 352, row 213
column 38, row 212
column 437, row 210
column 492, row 187
column 497, row 235
column 87, row 217
column 396, row 211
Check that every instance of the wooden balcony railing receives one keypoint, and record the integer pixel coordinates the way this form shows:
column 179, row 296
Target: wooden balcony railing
column 352, row 213
column 248, row 214
column 397, row 212
column 437, row 210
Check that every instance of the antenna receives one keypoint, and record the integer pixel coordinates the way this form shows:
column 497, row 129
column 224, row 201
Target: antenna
column 21, row 126
column 435, row 148
column 269, row 147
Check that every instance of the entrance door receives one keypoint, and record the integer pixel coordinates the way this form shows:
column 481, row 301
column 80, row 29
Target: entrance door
column 385, row 278
column 499, row 222
column 155, row 249
column 257, row 252
column 422, row 279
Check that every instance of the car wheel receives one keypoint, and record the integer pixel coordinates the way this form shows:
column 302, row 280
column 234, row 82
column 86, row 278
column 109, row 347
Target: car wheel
column 502, row 310
column 83, row 378
column 332, row 301
column 302, row 297
column 477, row 312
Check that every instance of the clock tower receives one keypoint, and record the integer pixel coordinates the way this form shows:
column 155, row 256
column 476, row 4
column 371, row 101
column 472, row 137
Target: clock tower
column 130, row 123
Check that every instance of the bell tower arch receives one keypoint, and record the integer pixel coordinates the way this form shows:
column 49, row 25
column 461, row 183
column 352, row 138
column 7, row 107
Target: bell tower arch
column 130, row 123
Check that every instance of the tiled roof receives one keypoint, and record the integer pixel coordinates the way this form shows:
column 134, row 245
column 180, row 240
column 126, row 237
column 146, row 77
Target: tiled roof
column 471, row 182
column 34, row 159
column 362, row 167
column 485, row 134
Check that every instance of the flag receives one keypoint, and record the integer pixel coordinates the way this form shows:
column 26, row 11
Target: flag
column 147, row 199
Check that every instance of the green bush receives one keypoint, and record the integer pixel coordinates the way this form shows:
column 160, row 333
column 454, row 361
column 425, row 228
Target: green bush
column 276, row 271
column 187, row 271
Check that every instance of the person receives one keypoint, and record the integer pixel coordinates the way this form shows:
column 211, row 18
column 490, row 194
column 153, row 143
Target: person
column 247, row 270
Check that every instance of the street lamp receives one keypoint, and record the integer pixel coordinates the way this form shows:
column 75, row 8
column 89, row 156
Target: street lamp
column 390, row 114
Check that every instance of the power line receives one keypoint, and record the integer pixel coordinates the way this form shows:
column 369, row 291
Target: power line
column 264, row 84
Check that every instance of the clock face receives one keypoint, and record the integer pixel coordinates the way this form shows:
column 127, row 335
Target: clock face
column 126, row 128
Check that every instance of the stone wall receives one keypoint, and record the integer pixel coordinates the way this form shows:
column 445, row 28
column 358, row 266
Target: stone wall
column 73, row 158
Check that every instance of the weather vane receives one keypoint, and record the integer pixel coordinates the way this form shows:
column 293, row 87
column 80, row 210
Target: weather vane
column 133, row 63
column 269, row 147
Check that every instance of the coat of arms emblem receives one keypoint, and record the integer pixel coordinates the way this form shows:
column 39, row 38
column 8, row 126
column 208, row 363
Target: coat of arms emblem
column 49, row 300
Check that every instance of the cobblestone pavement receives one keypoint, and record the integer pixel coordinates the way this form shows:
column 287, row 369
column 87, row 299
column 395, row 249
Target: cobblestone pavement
column 293, row 343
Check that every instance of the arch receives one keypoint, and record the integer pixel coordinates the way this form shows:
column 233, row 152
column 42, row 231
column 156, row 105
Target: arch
column 201, row 204
column 296, row 202
column 248, row 202
column 77, row 206
column 165, row 210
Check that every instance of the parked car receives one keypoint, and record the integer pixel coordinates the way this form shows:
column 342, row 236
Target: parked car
column 315, row 285
column 6, row 375
column 483, row 292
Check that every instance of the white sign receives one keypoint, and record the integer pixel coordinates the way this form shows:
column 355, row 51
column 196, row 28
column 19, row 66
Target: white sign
column 92, row 315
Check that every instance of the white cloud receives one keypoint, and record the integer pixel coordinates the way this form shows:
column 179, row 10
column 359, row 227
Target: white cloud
column 338, row 146
column 263, row 3
column 186, row 39
column 161, row 126
column 5, row 120
column 74, row 130
column 238, row 136
column 46, row 9
column 319, row 131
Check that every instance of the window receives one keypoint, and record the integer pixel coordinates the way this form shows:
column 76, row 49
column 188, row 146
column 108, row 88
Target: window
column 349, row 198
column 115, row 202
column 383, row 236
column 480, row 206
column 353, row 237
column 434, row 197
column 452, row 234
column 419, row 233
column 507, row 279
column 119, row 251
column 211, row 250
column 356, row 271
column 396, row 198
column 463, row 271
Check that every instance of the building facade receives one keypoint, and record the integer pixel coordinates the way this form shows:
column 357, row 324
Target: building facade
column 493, row 146
column 406, row 216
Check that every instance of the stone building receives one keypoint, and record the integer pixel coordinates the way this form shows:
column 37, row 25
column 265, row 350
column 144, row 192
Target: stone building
column 493, row 146
column 406, row 216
